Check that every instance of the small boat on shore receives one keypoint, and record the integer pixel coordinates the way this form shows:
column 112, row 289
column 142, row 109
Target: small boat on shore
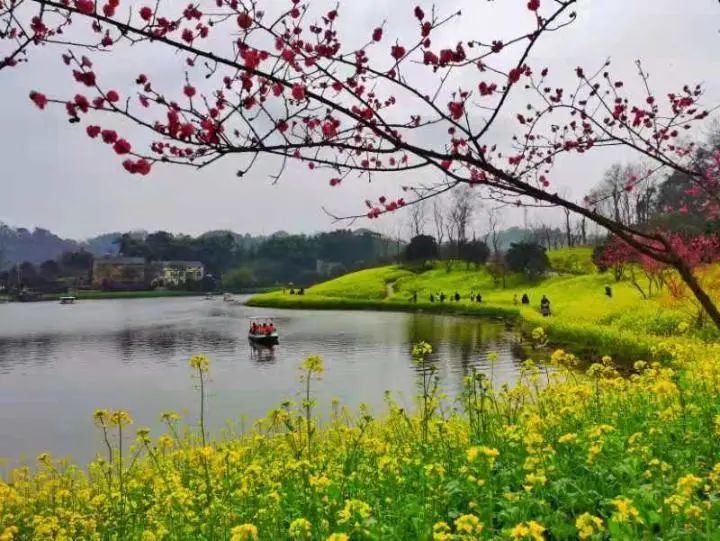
column 263, row 334
column 68, row 299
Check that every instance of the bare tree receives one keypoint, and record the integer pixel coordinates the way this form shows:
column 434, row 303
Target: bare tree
column 569, row 239
column 494, row 225
column 461, row 215
column 439, row 221
column 417, row 219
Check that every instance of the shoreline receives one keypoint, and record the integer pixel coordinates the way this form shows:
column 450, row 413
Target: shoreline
column 140, row 294
column 580, row 336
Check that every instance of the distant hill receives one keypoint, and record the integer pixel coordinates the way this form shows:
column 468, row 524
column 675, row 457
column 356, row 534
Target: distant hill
column 102, row 244
column 21, row 244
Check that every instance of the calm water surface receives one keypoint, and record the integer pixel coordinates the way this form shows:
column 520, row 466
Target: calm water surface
column 60, row 362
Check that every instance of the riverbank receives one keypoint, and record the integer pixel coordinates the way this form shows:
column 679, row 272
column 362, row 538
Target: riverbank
column 582, row 317
column 142, row 294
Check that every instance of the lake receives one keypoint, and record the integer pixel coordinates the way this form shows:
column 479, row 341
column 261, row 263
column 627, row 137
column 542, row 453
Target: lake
column 58, row 363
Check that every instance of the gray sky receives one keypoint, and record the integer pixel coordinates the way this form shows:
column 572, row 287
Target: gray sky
column 53, row 176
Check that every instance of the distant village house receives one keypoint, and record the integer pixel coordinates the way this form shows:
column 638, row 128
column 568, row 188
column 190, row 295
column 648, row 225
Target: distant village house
column 178, row 273
column 133, row 273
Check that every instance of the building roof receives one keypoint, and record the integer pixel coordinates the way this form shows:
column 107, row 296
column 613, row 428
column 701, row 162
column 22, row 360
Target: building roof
column 120, row 261
column 179, row 263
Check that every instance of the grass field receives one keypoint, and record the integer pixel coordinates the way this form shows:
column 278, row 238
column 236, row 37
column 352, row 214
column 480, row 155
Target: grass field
column 581, row 313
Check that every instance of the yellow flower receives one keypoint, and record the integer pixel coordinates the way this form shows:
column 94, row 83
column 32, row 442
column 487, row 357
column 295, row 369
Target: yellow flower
column 148, row 536
column 300, row 528
column 313, row 365
column 101, row 417
column 473, row 452
column 530, row 529
column 534, row 479
column 8, row 534
column 588, row 525
column 120, row 418
column 468, row 525
column 201, row 363
column 536, row 531
column 338, row 537
column 675, row 503
column 421, row 349
column 244, row 532
column 568, row 438
column 520, row 531
column 626, row 511
column 354, row 510
column 687, row 484
column 441, row 532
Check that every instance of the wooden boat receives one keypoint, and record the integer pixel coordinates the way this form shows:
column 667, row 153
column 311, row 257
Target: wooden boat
column 67, row 299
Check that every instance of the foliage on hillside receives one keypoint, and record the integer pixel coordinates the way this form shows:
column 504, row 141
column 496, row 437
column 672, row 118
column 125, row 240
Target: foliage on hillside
column 572, row 260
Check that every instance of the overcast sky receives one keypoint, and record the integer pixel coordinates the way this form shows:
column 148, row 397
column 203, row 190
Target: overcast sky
column 53, row 176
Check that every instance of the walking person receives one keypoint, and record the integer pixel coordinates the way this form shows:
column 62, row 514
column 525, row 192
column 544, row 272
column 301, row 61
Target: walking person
column 545, row 306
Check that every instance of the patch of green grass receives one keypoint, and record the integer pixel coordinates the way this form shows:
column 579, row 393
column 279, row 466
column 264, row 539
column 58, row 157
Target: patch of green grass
column 572, row 260
column 364, row 284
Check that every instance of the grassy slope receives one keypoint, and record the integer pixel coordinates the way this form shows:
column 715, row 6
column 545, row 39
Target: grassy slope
column 581, row 312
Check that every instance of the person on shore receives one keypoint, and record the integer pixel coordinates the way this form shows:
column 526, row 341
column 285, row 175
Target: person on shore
column 292, row 291
column 608, row 292
column 457, row 297
column 442, row 297
column 545, row 306
column 413, row 299
column 525, row 299
column 301, row 291
column 432, row 297
column 478, row 298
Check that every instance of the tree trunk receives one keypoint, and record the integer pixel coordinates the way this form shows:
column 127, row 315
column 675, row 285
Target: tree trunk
column 702, row 297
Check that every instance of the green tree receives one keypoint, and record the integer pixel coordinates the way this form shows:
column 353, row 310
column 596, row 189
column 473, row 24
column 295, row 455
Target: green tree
column 421, row 248
column 475, row 252
column 528, row 258
column 238, row 278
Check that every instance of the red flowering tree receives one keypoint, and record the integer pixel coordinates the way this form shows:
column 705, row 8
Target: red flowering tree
column 278, row 79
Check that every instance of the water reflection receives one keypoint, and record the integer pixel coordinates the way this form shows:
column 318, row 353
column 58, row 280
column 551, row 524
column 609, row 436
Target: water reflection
column 57, row 364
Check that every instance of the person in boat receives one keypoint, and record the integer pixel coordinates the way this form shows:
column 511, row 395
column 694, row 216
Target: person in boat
column 545, row 306
column 525, row 299
column 253, row 328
